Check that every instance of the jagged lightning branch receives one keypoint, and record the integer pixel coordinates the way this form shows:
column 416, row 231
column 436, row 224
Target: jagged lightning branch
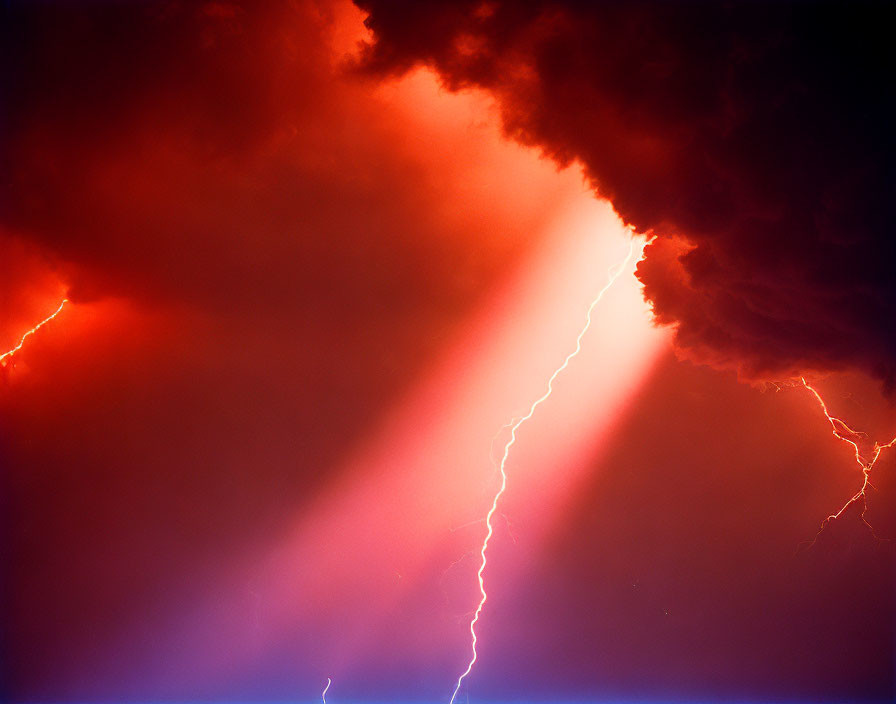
column 323, row 695
column 843, row 432
column 28, row 334
column 614, row 273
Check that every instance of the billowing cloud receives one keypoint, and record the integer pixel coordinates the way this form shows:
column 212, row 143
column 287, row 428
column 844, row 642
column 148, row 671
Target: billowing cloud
column 755, row 139
column 266, row 254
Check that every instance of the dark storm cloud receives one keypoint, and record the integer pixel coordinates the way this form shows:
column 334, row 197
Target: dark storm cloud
column 754, row 138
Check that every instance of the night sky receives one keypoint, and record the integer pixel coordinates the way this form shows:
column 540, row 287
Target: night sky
column 318, row 256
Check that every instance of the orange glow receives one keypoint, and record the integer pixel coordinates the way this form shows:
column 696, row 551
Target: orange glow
column 614, row 273
column 6, row 355
column 843, row 432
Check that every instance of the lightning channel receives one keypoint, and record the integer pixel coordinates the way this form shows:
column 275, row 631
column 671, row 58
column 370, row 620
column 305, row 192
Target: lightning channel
column 323, row 695
column 6, row 355
column 843, row 432
column 614, row 273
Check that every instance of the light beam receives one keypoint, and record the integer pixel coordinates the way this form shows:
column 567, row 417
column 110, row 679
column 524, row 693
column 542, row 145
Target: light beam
column 614, row 273
column 6, row 355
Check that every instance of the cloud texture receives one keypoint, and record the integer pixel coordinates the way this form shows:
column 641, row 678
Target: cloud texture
column 755, row 139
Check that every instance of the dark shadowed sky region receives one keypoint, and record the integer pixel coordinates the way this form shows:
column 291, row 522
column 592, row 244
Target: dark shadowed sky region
column 319, row 260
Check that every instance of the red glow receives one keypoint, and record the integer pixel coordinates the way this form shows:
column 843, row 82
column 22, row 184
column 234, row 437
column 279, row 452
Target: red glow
column 424, row 469
column 6, row 355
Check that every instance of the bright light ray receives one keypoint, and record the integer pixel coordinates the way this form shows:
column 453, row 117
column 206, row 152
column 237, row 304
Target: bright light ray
column 843, row 432
column 6, row 355
column 323, row 695
column 414, row 475
column 614, row 273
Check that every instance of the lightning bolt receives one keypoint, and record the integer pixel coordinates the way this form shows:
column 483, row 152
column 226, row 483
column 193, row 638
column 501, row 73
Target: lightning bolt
column 613, row 274
column 6, row 355
column 323, row 695
column 843, row 432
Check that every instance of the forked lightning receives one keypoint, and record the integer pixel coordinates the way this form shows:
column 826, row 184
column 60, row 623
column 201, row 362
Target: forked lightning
column 614, row 273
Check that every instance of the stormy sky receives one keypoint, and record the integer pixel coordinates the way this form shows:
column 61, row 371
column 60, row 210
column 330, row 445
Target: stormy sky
column 317, row 254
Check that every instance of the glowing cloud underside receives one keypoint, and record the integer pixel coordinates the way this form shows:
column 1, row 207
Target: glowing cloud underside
column 614, row 273
column 843, row 432
column 6, row 355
